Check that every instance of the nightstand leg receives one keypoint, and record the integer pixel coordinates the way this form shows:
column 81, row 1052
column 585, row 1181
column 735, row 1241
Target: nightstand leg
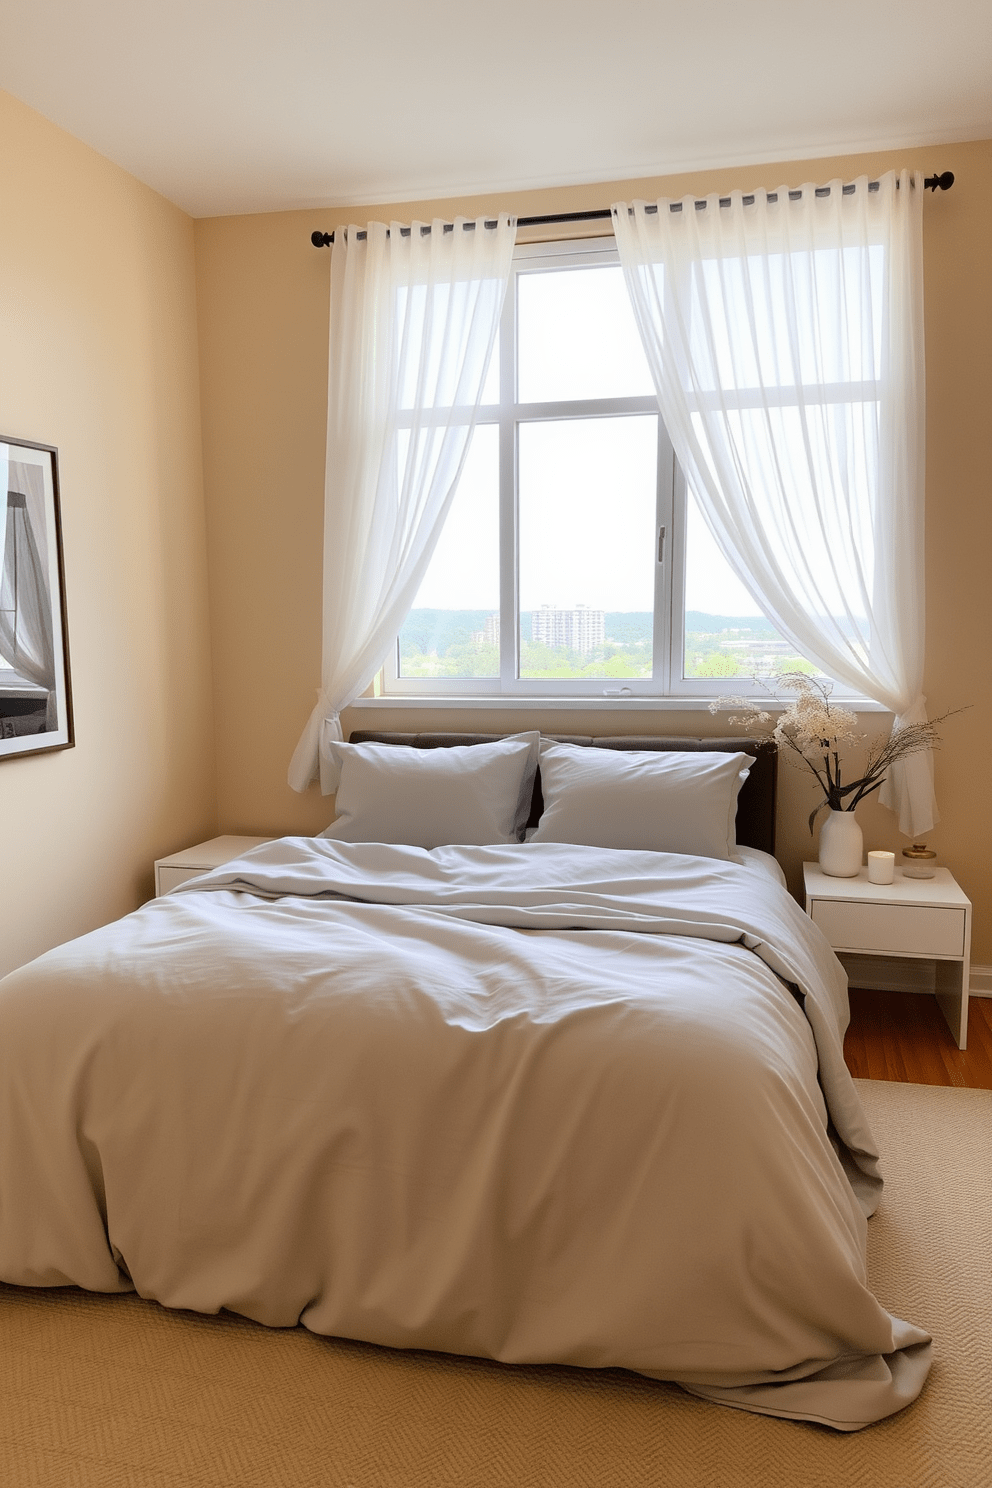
column 951, row 991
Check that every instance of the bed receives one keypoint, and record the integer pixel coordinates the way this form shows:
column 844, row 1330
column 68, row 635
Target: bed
column 523, row 1095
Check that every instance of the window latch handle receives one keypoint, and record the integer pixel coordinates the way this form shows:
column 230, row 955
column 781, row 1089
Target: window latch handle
column 661, row 544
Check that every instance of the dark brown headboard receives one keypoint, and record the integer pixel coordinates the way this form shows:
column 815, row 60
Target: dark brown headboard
column 755, row 804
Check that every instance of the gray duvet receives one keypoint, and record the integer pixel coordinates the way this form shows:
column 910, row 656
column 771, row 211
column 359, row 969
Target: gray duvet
column 537, row 1103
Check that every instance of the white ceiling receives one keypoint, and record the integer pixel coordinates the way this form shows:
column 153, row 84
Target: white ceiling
column 263, row 105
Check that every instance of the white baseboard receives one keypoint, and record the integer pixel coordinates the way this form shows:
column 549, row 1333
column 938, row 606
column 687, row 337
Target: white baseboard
column 981, row 982
column 900, row 974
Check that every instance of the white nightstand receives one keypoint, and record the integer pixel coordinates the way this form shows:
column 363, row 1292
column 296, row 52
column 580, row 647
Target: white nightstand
column 924, row 918
column 170, row 872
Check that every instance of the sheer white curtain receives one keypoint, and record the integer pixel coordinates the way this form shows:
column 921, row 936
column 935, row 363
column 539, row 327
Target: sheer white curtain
column 785, row 334
column 414, row 317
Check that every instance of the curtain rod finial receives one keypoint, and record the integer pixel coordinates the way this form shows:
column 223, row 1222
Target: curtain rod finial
column 944, row 181
column 321, row 239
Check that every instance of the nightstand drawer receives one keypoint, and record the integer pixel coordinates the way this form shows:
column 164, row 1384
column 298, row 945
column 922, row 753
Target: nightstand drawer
column 193, row 862
column 905, row 929
column 171, row 878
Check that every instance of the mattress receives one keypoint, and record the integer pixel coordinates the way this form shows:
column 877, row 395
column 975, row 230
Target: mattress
column 535, row 1102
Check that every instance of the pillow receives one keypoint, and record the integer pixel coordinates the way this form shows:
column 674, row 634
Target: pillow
column 470, row 793
column 661, row 802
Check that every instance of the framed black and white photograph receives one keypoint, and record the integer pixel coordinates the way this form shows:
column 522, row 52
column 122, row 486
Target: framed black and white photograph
column 35, row 701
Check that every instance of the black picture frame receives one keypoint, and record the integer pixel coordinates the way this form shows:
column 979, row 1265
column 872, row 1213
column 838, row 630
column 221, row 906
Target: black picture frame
column 35, row 690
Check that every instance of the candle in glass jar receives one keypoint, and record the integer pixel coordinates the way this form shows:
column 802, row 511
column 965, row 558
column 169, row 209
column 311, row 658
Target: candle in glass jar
column 881, row 867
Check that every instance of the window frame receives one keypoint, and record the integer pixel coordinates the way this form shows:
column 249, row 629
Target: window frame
column 666, row 687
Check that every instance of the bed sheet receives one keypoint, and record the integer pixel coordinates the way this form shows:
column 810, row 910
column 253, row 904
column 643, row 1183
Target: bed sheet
column 757, row 861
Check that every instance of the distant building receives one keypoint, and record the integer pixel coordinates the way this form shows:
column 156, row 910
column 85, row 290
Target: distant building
column 581, row 629
column 489, row 634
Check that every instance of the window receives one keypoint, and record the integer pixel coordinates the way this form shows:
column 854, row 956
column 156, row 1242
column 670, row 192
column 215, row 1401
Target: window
column 573, row 561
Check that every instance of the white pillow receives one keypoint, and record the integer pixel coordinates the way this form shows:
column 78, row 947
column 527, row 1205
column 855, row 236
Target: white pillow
column 470, row 793
column 658, row 802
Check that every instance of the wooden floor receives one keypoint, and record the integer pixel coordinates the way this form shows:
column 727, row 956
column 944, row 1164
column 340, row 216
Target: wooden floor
column 903, row 1036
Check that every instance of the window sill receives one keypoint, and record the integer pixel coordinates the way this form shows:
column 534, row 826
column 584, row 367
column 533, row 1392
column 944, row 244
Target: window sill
column 492, row 702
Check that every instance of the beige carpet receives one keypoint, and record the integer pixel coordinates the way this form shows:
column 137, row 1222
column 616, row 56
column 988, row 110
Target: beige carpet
column 97, row 1392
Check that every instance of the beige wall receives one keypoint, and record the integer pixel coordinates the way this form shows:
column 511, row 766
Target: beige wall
column 98, row 329
column 263, row 310
column 98, row 356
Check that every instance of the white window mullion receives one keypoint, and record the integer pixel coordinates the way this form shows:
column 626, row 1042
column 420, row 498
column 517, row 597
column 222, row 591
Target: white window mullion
column 585, row 408
column 508, row 623
column 509, row 642
column 676, row 640
column 665, row 613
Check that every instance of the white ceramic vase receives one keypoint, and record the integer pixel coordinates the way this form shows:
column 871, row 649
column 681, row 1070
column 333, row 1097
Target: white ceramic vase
column 841, row 845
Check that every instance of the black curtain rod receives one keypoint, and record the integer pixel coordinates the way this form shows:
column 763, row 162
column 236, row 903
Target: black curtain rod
column 943, row 182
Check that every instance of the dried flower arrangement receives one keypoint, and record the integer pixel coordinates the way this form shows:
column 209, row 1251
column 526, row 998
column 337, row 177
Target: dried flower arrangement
column 813, row 729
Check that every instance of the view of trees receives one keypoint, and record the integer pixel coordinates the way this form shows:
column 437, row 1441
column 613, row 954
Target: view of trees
column 460, row 644
column 737, row 646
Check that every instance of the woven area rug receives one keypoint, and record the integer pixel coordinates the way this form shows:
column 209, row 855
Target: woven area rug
column 97, row 1392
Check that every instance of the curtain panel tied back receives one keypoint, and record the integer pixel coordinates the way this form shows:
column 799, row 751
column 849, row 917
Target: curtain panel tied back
column 413, row 321
column 784, row 332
